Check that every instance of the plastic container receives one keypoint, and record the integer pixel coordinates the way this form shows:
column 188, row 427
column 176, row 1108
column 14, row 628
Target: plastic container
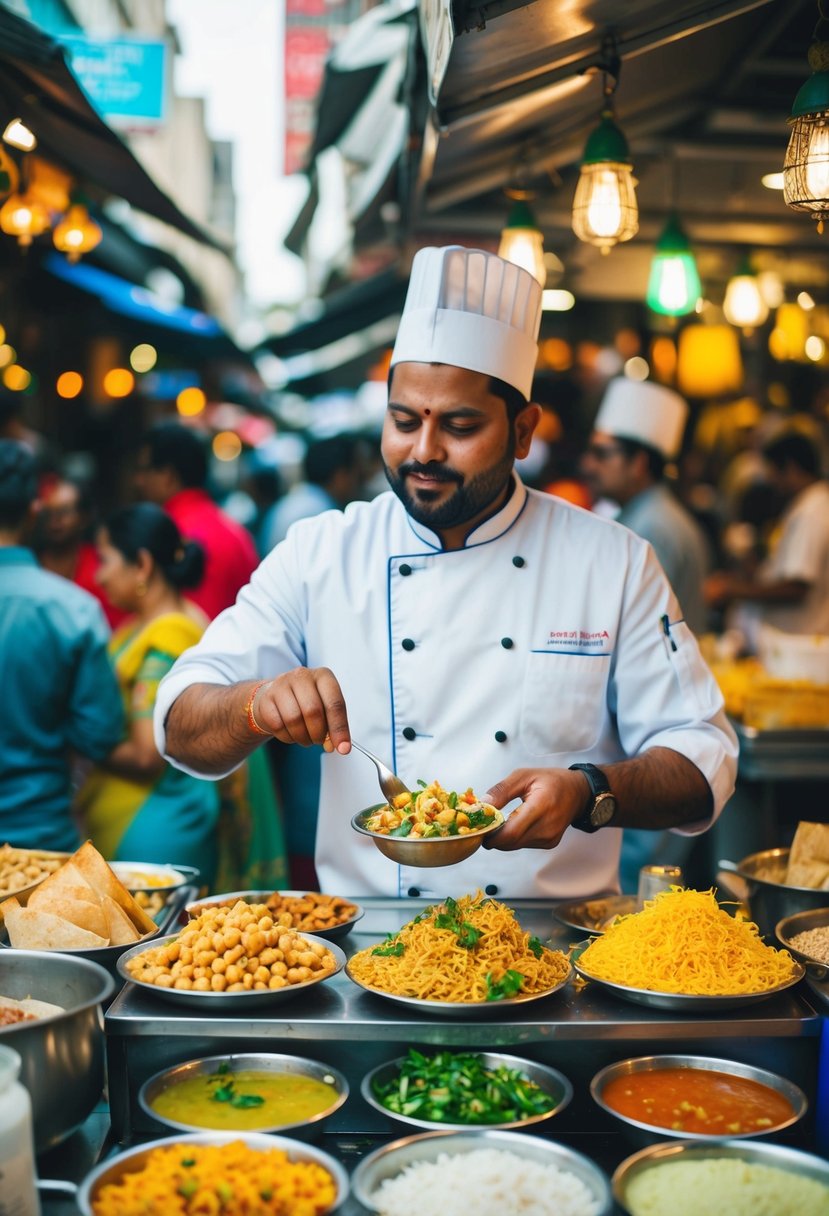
column 18, row 1194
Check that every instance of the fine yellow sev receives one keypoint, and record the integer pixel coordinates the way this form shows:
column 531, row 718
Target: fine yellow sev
column 683, row 942
column 472, row 950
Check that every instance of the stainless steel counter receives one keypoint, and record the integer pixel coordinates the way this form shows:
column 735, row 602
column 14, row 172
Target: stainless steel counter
column 577, row 1031
column 783, row 755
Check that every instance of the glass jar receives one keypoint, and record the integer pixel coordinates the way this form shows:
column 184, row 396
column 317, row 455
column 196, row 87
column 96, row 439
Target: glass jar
column 653, row 879
column 18, row 1180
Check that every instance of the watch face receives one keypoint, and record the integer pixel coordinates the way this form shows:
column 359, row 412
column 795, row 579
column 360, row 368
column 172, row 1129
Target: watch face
column 604, row 808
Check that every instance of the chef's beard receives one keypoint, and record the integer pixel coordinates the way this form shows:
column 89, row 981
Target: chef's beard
column 471, row 498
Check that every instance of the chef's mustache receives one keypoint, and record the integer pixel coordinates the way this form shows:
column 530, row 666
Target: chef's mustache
column 437, row 472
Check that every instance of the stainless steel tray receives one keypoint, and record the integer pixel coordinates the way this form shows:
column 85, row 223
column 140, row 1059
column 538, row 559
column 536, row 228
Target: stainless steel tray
column 228, row 1002
column 578, row 1031
column 681, row 1002
column 773, row 755
column 461, row 1009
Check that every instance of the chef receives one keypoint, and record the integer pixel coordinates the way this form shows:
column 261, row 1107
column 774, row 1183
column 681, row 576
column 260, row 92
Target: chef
column 467, row 629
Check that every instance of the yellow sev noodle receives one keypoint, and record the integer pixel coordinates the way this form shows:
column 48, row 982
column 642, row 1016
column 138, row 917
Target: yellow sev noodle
column 231, row 1179
column 684, row 942
column 435, row 967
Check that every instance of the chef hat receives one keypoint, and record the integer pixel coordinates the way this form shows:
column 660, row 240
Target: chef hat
column 471, row 309
column 645, row 412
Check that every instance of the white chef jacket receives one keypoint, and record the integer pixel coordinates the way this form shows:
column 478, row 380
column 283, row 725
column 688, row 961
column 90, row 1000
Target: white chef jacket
column 551, row 637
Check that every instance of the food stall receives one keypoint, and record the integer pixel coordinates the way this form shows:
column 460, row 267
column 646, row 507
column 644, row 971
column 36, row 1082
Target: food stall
column 578, row 1030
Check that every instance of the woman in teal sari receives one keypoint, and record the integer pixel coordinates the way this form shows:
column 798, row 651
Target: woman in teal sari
column 136, row 806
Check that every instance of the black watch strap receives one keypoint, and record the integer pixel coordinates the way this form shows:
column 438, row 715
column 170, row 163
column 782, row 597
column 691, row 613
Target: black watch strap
column 600, row 809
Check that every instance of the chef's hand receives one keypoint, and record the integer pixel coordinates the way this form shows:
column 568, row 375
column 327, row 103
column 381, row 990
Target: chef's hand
column 551, row 798
column 304, row 706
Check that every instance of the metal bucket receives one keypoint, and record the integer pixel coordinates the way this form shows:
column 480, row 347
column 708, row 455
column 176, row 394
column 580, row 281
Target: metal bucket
column 768, row 898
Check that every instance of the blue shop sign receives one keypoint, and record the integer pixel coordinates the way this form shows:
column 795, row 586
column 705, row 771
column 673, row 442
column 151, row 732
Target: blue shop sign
column 124, row 78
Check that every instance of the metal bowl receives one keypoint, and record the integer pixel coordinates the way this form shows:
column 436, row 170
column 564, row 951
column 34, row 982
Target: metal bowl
column 261, row 897
column 768, row 897
column 755, row 1151
column 459, row 1009
column 434, row 851
column 129, row 1162
column 63, row 1055
column 228, row 1002
column 683, row 1002
column 21, row 894
column 149, row 877
column 594, row 915
column 107, row 957
column 392, row 1159
column 266, row 1062
column 649, row 1133
column 802, row 922
column 554, row 1083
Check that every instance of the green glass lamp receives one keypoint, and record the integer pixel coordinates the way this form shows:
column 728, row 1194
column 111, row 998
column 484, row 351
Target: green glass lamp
column 522, row 241
column 605, row 211
column 674, row 284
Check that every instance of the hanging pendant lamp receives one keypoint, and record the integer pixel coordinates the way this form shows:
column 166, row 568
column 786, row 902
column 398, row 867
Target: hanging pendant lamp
column 674, row 284
column 806, row 167
column 605, row 211
column 522, row 241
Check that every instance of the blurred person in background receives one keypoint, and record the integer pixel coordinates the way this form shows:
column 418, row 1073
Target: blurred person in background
column 59, row 692
column 790, row 589
column 171, row 471
column 136, row 806
column 332, row 478
column 264, row 487
column 61, row 541
column 637, row 431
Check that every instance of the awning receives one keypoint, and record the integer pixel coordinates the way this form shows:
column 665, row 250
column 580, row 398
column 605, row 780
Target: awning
column 335, row 349
column 363, row 114
column 130, row 309
column 130, row 299
column 37, row 85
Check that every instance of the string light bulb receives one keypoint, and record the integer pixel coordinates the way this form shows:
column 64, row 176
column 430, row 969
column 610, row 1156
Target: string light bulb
column 76, row 233
column 744, row 305
column 24, row 217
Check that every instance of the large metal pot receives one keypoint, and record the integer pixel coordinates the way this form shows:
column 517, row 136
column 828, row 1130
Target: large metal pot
column 763, row 889
column 63, row 1055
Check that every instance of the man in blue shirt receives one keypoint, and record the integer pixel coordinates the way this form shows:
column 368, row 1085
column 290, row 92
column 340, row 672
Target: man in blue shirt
column 59, row 693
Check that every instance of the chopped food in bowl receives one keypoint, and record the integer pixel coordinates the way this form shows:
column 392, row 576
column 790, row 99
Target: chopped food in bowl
column 432, row 811
column 466, row 1090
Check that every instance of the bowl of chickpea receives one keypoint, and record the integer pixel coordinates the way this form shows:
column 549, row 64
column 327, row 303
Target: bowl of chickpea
column 231, row 957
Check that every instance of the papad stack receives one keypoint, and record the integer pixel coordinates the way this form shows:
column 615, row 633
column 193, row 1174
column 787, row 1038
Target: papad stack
column 82, row 906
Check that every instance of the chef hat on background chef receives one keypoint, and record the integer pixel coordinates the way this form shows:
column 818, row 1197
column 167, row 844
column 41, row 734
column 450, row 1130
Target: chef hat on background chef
column 471, row 309
column 645, row 412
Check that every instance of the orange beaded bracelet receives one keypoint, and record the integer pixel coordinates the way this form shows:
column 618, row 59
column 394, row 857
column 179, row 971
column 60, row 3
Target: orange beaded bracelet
column 253, row 725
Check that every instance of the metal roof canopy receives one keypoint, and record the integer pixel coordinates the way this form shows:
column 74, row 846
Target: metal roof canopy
column 37, row 85
column 703, row 96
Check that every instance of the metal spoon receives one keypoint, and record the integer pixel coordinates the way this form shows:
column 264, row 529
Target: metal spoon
column 390, row 783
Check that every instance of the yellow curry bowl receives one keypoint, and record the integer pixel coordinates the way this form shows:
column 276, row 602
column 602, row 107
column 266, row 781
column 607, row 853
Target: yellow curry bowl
column 425, row 852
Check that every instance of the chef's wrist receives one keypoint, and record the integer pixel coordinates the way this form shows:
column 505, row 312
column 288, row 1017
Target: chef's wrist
column 253, row 722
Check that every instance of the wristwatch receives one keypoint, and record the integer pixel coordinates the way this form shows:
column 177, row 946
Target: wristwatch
column 601, row 804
